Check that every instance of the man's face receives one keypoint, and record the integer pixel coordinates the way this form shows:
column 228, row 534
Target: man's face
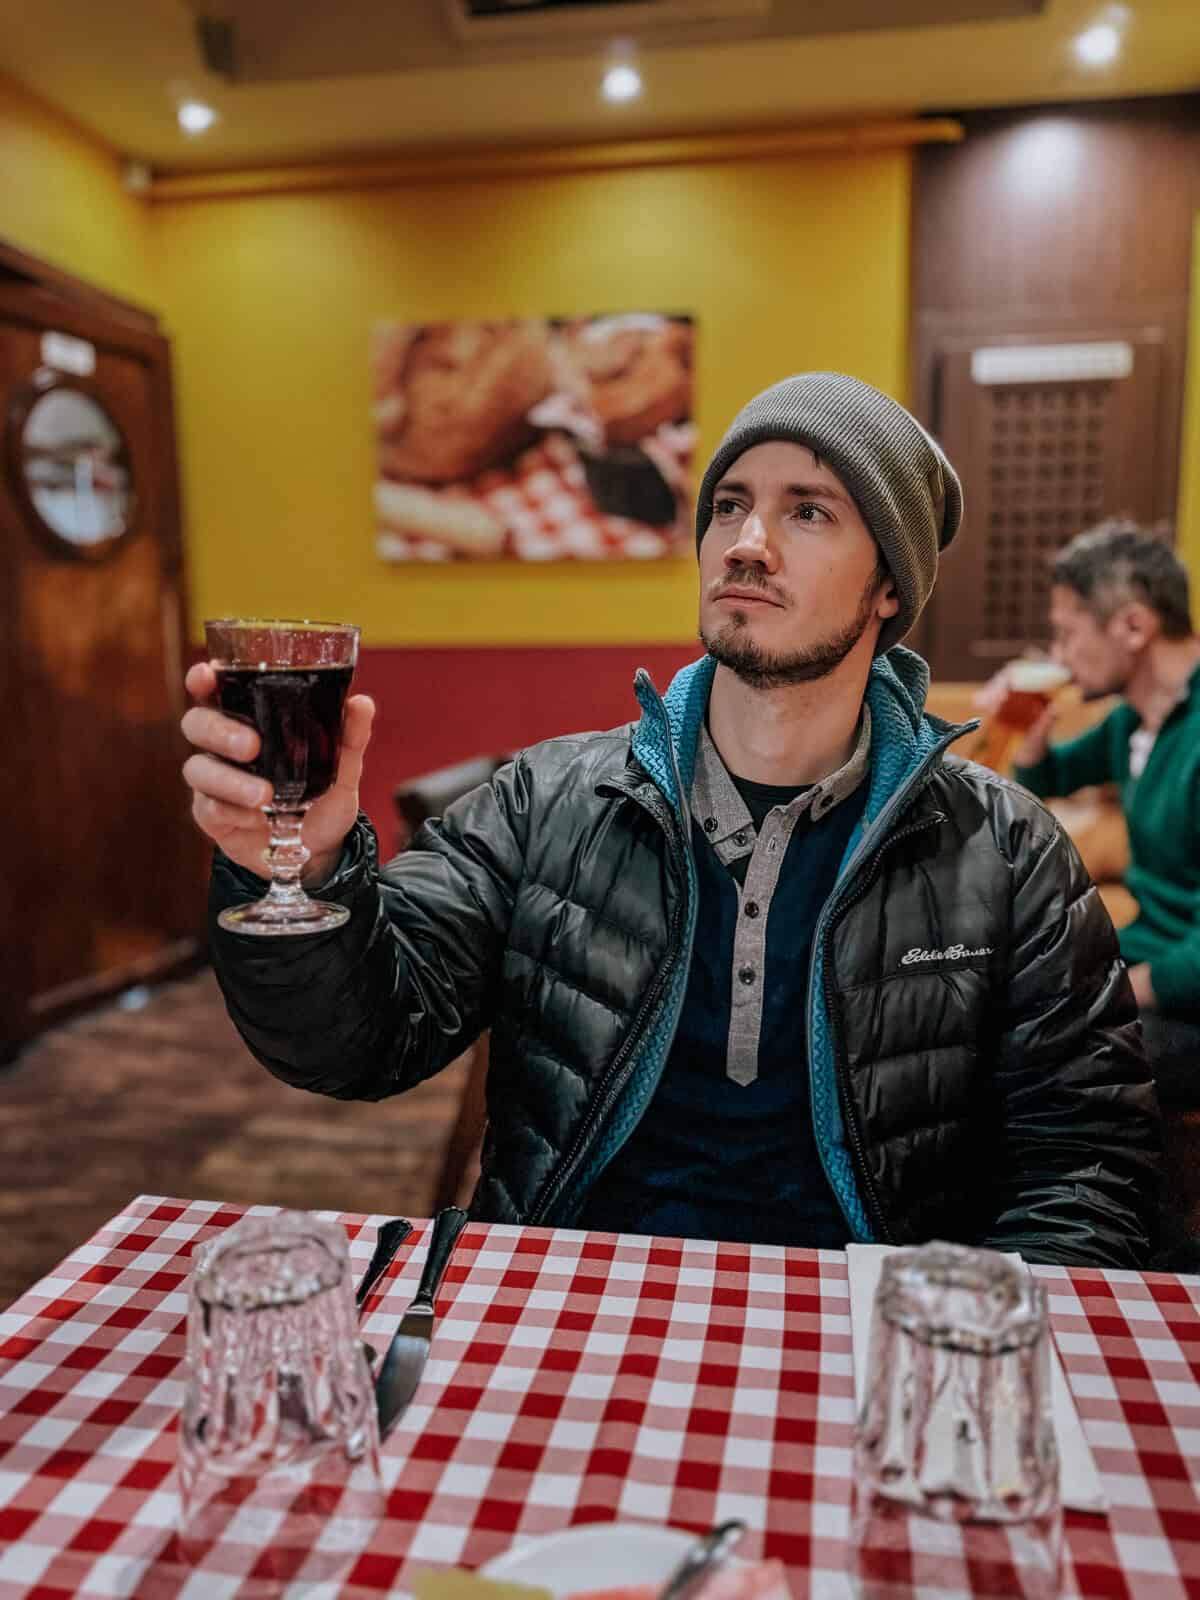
column 788, row 570
column 1096, row 653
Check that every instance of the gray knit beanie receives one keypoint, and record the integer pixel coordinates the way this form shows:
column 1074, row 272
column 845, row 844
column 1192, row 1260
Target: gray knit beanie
column 908, row 493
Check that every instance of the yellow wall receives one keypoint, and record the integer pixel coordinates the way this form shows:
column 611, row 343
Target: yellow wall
column 269, row 302
column 1189, row 480
column 61, row 199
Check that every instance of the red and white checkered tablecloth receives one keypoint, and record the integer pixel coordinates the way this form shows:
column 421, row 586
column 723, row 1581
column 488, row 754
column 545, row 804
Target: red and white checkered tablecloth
column 573, row 1378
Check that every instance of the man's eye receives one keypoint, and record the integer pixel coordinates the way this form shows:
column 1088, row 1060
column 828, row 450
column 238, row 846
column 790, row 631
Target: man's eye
column 809, row 511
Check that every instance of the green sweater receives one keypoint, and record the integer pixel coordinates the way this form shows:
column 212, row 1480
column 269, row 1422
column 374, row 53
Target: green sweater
column 1162, row 810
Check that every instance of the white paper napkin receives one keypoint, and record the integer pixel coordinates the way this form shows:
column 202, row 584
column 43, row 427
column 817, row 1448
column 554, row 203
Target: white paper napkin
column 1081, row 1486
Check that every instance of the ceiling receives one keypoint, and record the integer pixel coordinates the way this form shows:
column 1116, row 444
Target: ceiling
column 261, row 41
column 324, row 79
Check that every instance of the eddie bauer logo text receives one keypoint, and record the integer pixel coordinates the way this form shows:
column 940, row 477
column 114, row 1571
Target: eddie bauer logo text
column 954, row 952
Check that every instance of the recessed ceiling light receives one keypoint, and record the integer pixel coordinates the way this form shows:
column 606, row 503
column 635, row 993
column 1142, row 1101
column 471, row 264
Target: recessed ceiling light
column 622, row 82
column 1099, row 45
column 195, row 117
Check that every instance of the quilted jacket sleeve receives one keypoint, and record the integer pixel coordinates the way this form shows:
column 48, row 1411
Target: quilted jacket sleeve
column 1081, row 1119
column 409, row 982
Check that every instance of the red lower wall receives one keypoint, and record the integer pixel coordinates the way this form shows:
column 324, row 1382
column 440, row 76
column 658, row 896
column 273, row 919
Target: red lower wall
column 437, row 707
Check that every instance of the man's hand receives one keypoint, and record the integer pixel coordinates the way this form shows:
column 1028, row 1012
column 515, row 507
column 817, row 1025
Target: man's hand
column 1143, row 989
column 1035, row 746
column 226, row 803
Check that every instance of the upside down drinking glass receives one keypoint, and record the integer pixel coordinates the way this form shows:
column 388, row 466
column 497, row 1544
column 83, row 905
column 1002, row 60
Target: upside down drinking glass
column 956, row 1465
column 278, row 1444
column 288, row 680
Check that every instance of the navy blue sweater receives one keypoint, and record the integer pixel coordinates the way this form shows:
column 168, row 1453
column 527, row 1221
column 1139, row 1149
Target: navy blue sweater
column 712, row 1159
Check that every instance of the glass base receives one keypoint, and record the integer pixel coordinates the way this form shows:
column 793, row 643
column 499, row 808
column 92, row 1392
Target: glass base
column 309, row 1526
column 272, row 919
column 897, row 1553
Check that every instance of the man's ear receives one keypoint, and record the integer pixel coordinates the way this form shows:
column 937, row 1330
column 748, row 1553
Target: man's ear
column 1135, row 625
column 887, row 601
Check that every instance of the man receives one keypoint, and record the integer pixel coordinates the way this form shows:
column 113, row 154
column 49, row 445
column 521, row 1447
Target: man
column 766, row 965
column 1121, row 624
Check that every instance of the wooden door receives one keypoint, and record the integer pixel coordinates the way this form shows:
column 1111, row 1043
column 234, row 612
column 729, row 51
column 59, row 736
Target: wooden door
column 1041, row 457
column 103, row 877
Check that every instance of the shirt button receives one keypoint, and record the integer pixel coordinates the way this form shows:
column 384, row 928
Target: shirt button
column 740, row 836
column 751, row 908
column 772, row 844
column 746, row 974
column 710, row 824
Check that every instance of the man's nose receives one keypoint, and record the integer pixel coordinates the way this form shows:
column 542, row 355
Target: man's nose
column 753, row 546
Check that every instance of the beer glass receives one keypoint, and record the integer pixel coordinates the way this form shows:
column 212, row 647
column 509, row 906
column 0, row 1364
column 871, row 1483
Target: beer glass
column 288, row 680
column 1031, row 686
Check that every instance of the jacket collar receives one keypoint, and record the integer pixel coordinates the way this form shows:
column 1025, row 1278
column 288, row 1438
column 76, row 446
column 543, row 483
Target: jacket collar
column 903, row 735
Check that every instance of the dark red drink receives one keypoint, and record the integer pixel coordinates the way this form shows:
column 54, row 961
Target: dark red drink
column 297, row 713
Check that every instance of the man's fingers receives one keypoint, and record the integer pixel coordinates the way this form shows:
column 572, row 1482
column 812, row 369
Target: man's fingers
column 356, row 734
column 201, row 681
column 219, row 819
column 994, row 692
column 356, row 729
column 209, row 730
column 219, row 781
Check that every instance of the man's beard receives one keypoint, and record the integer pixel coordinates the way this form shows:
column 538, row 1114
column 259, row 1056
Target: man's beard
column 733, row 647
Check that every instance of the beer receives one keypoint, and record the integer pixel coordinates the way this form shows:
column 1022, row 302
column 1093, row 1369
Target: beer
column 1031, row 686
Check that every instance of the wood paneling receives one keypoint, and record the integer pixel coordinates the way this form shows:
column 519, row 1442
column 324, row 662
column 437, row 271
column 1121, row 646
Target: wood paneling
column 18, row 266
column 1059, row 208
column 1045, row 225
column 1041, row 460
column 104, row 881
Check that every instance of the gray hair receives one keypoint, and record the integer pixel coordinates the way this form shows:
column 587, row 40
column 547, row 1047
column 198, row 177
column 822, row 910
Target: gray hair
column 1120, row 561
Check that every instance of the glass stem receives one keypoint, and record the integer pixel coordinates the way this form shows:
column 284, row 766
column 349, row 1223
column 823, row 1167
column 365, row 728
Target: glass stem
column 286, row 856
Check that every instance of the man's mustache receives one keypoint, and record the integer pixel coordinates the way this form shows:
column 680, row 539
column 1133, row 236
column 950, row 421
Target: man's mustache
column 746, row 578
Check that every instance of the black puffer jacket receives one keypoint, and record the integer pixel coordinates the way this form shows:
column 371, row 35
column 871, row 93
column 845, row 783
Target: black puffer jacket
column 976, row 1069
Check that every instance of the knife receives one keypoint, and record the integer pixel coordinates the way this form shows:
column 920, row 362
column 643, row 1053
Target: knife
column 406, row 1355
column 387, row 1241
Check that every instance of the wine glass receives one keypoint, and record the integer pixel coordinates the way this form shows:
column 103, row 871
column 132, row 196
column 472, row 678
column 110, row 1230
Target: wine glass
column 287, row 680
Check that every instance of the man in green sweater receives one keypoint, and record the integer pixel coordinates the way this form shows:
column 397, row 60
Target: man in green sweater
column 1121, row 624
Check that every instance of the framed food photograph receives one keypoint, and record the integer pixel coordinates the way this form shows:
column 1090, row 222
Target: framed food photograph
column 534, row 439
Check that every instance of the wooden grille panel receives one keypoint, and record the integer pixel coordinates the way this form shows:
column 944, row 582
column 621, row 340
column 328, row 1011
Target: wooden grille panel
column 1039, row 461
column 1046, row 445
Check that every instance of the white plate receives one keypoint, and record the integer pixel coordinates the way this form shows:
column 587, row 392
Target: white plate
column 596, row 1555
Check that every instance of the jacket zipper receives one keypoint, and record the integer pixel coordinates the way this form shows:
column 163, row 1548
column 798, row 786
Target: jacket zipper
column 849, row 1109
column 610, row 1089
column 614, row 1081
column 895, row 806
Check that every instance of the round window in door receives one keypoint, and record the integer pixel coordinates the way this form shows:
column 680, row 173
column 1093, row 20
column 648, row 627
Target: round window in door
column 72, row 469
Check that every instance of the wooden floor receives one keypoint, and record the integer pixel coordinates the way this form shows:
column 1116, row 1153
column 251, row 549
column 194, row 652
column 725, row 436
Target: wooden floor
column 167, row 1100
